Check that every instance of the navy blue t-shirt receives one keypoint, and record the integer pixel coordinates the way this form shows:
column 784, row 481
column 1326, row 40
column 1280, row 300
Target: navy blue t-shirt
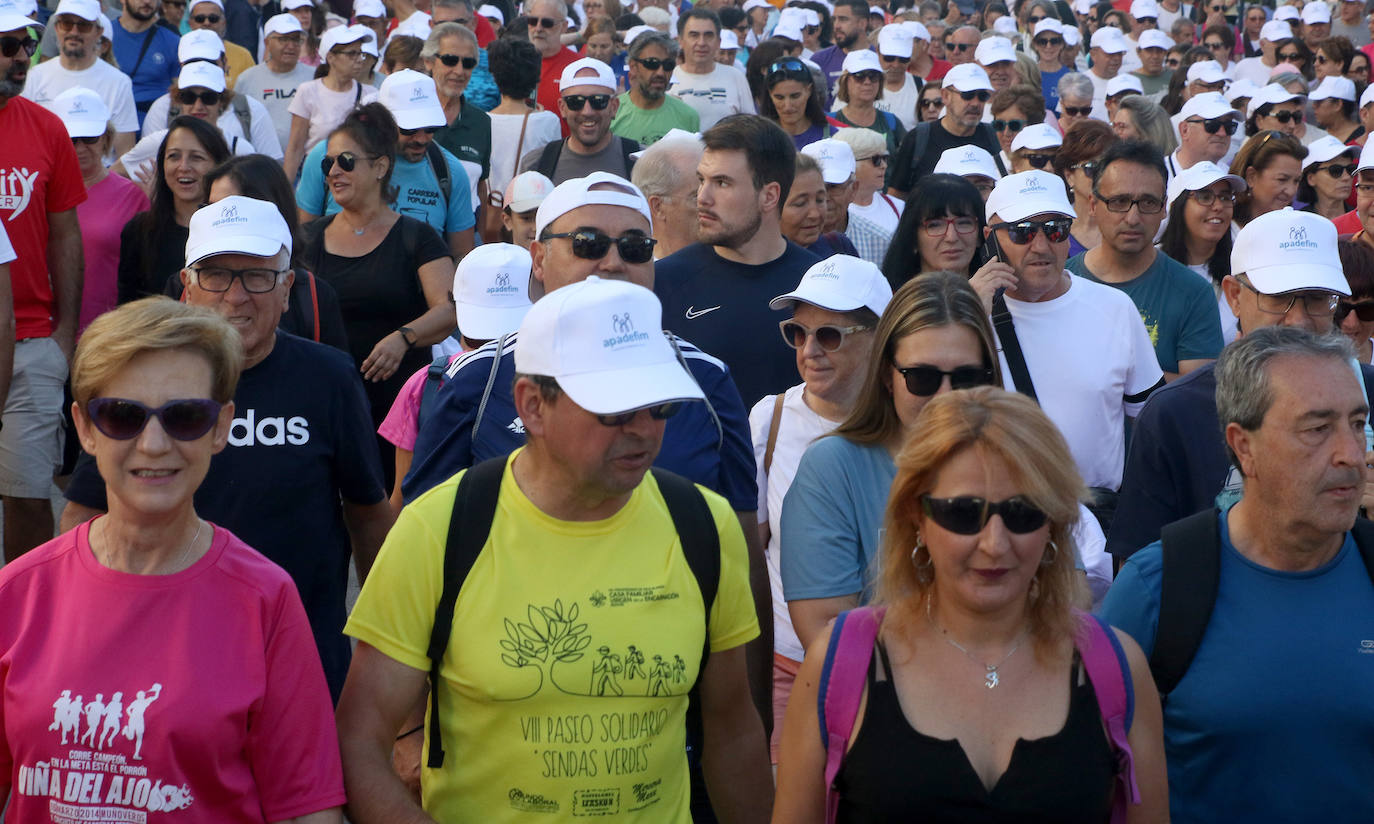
column 708, row 443
column 301, row 439
column 722, row 307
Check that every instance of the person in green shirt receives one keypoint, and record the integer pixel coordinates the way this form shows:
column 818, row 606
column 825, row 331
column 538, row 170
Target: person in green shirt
column 647, row 111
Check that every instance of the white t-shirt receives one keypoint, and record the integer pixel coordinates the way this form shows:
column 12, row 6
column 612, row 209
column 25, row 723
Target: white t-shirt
column 275, row 92
column 884, row 211
column 326, row 109
column 6, row 249
column 47, row 80
column 1167, row 18
column 722, row 92
column 901, row 103
column 798, row 427
column 142, row 158
column 542, row 129
column 262, row 134
column 1100, row 95
column 1087, row 351
column 1252, row 69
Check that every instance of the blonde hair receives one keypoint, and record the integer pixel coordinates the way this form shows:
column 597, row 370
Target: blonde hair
column 155, row 324
column 1011, row 427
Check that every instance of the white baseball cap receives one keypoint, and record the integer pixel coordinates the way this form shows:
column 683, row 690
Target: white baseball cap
column 993, row 50
column 1154, row 39
column 1287, row 13
column 492, row 13
column 284, row 23
column 1208, row 106
column 1341, row 88
column 1141, row 9
column 750, row 5
column 894, row 41
column 729, row 41
column 1368, row 96
column 603, row 75
column 202, row 74
column 840, row 283
column 1005, row 25
column 1082, row 6
column 369, row 45
column 966, row 161
column 596, row 189
column 916, row 28
column 369, row 8
column 1316, row 13
column 813, row 17
column 416, row 25
column 1287, row 250
column 1206, row 71
column 341, row 36
column 1048, row 24
column 412, row 99
column 1327, row 148
column 835, row 157
column 526, row 191
column 237, row 225
column 967, row 77
column 289, row 5
column 789, row 30
column 1366, row 157
column 200, row 44
column 1026, row 194
column 1072, row 36
column 635, row 31
column 862, row 60
column 1037, row 136
column 18, row 15
column 1269, row 94
column 603, row 341
column 1124, row 82
column 491, row 290
column 1240, row 89
column 1200, row 175
column 1276, row 31
column 1109, row 40
column 83, row 112
column 85, row 9
column 878, row 11
column 106, row 28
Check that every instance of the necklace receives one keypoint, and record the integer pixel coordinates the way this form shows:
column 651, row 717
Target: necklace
column 990, row 679
column 185, row 553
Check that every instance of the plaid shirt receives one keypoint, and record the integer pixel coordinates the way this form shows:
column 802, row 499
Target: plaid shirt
column 869, row 238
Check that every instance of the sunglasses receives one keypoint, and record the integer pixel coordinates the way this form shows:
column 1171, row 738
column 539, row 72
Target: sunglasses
column 1023, row 232
column 879, row 160
column 1217, row 124
column 869, row 76
column 1364, row 310
column 829, row 337
column 981, row 94
column 188, row 98
column 959, row 47
column 1039, row 161
column 1214, row 45
column 1287, row 116
column 967, row 515
column 452, row 60
column 537, row 22
column 1340, row 170
column 791, row 69
column 1008, row 125
column 1206, row 197
column 810, row 29
column 933, row 103
column 81, row 25
column 221, row 279
column 210, row 19
column 1033, row 20
column 658, row 412
column 1087, row 167
column 184, row 420
column 1321, row 59
column 1148, row 205
column 1173, row 62
column 10, row 46
column 1290, row 57
column 87, row 141
column 653, row 64
column 887, row 58
column 1076, row 111
column 1049, row 41
column 590, row 244
column 347, row 162
column 577, row 101
column 923, row 380
column 412, row 132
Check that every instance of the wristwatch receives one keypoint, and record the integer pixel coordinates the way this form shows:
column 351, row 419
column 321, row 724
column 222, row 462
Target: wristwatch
column 407, row 335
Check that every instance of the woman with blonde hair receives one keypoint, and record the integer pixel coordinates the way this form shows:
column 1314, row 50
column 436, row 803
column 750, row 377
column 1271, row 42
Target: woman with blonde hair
column 859, row 87
column 979, row 589
column 1270, row 163
column 1139, row 118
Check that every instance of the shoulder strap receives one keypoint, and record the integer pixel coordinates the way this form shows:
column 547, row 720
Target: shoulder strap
column 520, row 145
column 143, row 49
column 1011, row 347
column 486, row 391
column 773, row 432
column 436, row 160
column 890, row 204
column 1187, row 592
column 627, row 148
column 548, row 158
column 841, row 688
column 474, row 507
column 245, row 116
column 358, row 93
column 434, row 378
column 1363, row 532
column 1110, row 675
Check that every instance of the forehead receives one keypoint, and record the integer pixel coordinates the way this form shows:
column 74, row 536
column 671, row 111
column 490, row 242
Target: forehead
column 237, row 261
column 1127, row 173
column 586, row 90
column 204, row 8
column 1303, row 384
column 698, row 25
column 613, row 220
column 545, row 8
column 461, row 46
column 653, row 50
column 966, row 36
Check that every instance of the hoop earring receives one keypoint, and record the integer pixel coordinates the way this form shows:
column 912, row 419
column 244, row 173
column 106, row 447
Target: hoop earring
column 925, row 571
column 1048, row 559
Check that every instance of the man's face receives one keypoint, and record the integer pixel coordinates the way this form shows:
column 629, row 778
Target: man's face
column 141, row 10
column 894, row 70
column 284, row 49
column 1130, row 232
column 1350, row 11
column 965, row 113
column 1104, row 64
column 1254, row 311
column 173, row 11
column 1364, row 196
column 376, row 24
column 679, row 207
column 839, row 196
column 77, row 36
column 1328, row 111
column 850, row 28
column 14, row 70
column 555, row 265
column 1039, row 264
column 700, row 42
column 546, row 38
column 729, row 208
column 1197, row 143
column 959, row 46
column 1151, row 60
column 651, row 83
column 413, row 143
column 1186, row 33
column 1314, row 33
column 1001, row 74
column 253, row 315
column 452, row 81
column 208, row 16
column 588, row 125
column 1143, row 23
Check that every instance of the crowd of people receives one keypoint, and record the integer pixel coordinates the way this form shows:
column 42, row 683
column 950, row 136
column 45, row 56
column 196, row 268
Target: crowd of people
column 1045, row 501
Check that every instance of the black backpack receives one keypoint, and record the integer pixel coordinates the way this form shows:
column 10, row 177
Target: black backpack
column 548, row 158
column 474, row 507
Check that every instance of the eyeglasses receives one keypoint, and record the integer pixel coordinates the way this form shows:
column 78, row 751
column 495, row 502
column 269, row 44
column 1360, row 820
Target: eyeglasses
column 810, row 29
column 1050, row 42
column 1087, row 167
column 981, row 94
column 1173, row 62
column 1023, row 232
column 879, row 160
column 590, row 244
column 536, row 22
column 658, row 412
column 452, row 60
column 207, row 19
column 1340, row 170
column 412, row 132
column 1147, row 21
column 1148, row 204
column 188, row 97
column 828, row 337
column 1315, row 304
column 82, row 25
column 1076, row 111
column 1033, row 20
column 1008, row 125
column 1214, row 45
column 932, row 103
column 938, row 226
column 923, row 380
column 1321, row 59
column 10, row 46
column 185, row 420
column 967, row 515
column 1039, row 161
column 577, row 101
column 869, row 76
column 1206, row 197
column 958, row 47
column 1287, row 115
column 653, row 64
column 1290, row 57
column 1217, row 124
column 790, row 69
column 888, row 58
column 221, row 279
column 347, row 162
column 1364, row 310
column 87, row 141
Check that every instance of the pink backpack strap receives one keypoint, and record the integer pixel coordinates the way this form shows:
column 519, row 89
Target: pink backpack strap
column 1110, row 674
column 841, row 688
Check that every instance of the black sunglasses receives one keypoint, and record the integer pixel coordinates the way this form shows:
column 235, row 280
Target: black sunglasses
column 10, row 46
column 967, row 515
column 452, row 60
column 653, row 64
column 577, row 101
column 981, row 94
column 959, row 47
column 790, row 69
column 879, row 159
column 412, row 132
column 536, row 22
column 1015, row 125
column 1023, row 232
column 72, row 22
column 1033, row 20
column 184, row 420
column 1290, row 57
column 1364, row 310
column 658, row 412
column 1077, row 111
column 1049, row 41
column 868, row 76
column 204, row 19
column 931, row 103
column 1287, row 116
column 188, row 98
column 829, row 337
column 923, row 380
column 889, row 58
column 87, row 141
column 590, row 244
column 1039, row 161
column 1217, row 124
column 347, row 162
column 1340, row 170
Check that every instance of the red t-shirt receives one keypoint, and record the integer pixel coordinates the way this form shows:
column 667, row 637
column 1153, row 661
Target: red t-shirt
column 39, row 174
column 549, row 73
column 1348, row 224
column 198, row 695
column 938, row 68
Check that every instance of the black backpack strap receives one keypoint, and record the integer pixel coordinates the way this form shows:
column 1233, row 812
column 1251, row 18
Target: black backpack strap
column 1188, row 591
column 1011, row 347
column 989, row 142
column 1363, row 532
column 474, row 507
column 627, row 148
column 143, row 50
column 548, row 158
column 434, row 378
column 436, row 160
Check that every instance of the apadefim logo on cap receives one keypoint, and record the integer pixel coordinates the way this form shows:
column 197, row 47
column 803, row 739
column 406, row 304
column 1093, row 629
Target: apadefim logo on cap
column 827, row 271
column 625, row 333
column 418, row 93
column 501, row 285
column 1297, row 239
column 1032, row 187
column 228, row 215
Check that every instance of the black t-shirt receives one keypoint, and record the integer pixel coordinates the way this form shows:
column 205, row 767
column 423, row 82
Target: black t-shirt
column 908, row 168
column 142, row 275
column 312, row 301
column 722, row 307
column 300, row 441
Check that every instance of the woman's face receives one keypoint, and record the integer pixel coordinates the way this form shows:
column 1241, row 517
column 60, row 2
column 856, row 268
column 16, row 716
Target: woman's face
column 1359, row 68
column 1007, row 135
column 944, row 347
column 1324, row 66
column 870, row 173
column 789, row 98
column 154, row 474
column 201, row 109
column 593, row 9
column 1292, row 112
column 185, row 165
column 1331, row 186
column 601, row 47
column 1275, row 186
column 864, row 87
column 302, row 15
column 1048, row 45
column 1211, row 222
column 355, row 187
column 1359, row 331
column 1080, row 181
column 942, row 245
column 1123, row 123
column 929, row 106
column 992, row 570
column 833, row 376
column 346, row 61
column 803, row 215
column 91, row 156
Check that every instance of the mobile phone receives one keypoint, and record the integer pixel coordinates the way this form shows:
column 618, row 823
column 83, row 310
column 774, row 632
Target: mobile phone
column 991, row 251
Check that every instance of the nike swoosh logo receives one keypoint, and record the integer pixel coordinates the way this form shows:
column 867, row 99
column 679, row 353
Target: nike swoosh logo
column 693, row 315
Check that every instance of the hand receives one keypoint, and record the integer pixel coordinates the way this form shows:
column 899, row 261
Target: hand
column 385, row 358
column 1367, row 499
column 65, row 338
column 405, row 760
column 992, row 276
column 953, row 16
column 145, row 178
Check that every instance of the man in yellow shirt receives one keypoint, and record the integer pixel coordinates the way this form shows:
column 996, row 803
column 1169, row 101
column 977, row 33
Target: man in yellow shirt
column 209, row 14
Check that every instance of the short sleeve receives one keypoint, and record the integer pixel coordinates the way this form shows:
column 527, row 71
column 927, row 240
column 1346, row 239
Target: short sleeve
column 733, row 620
column 820, row 533
column 1142, row 371
column 311, row 195
column 401, row 423
column 1199, row 335
column 461, row 213
column 738, row 473
column 125, row 116
column 303, row 104
column 429, row 246
column 443, row 446
column 1132, row 604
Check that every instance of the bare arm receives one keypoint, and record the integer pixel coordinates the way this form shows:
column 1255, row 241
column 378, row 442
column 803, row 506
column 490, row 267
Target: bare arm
column 1146, row 739
column 759, row 652
column 367, row 527
column 460, row 243
column 74, row 515
column 6, row 336
column 404, row 458
column 431, row 327
column 734, row 756
column 1186, row 366
column 123, row 142
column 377, row 699
column 65, row 266
column 810, row 616
column 801, row 756
column 295, row 146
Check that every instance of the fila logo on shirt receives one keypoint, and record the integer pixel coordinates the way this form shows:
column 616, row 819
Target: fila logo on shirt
column 16, row 190
column 248, row 430
column 280, row 94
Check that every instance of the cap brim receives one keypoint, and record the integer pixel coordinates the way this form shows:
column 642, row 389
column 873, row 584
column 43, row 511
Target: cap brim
column 246, row 244
column 1023, row 208
column 418, row 119
column 85, row 128
column 834, row 302
column 519, row 206
column 14, row 22
column 1276, row 280
column 620, row 390
column 489, row 322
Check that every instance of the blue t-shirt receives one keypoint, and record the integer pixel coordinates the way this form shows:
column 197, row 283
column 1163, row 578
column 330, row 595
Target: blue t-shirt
column 1049, row 87
column 708, row 443
column 417, row 187
column 832, row 519
column 159, row 67
column 1274, row 720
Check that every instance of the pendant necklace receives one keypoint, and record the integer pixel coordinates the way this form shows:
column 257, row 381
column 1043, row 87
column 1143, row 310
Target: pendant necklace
column 990, row 679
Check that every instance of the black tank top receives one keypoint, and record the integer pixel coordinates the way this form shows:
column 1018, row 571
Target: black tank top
column 894, row 773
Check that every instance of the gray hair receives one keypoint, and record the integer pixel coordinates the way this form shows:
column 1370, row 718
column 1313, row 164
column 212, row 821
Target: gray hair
column 439, row 32
column 1075, row 84
column 930, row 7
column 659, row 170
column 559, row 9
column 453, row 4
column 1151, row 121
column 652, row 38
column 1284, row 78
column 1244, row 392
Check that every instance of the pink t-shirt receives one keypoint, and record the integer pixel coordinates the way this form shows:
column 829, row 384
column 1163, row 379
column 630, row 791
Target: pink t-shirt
column 108, row 206
column 402, row 423
column 197, row 696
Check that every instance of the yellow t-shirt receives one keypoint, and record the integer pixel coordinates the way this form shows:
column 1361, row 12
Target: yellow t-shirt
column 574, row 647
column 238, row 59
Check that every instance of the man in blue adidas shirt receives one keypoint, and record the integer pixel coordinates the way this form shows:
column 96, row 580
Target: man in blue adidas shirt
column 412, row 99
